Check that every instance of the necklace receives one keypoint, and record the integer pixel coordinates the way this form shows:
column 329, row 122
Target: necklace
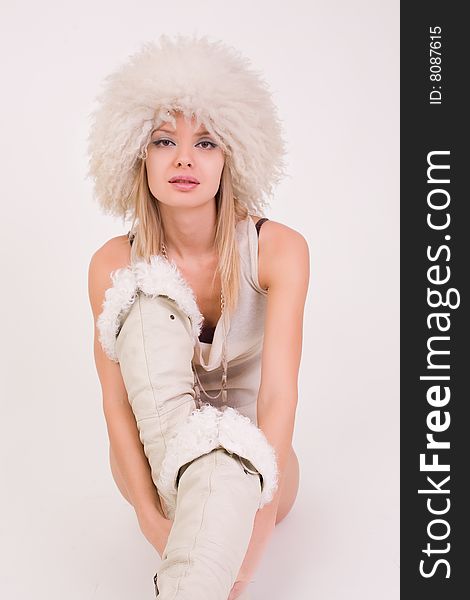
column 197, row 382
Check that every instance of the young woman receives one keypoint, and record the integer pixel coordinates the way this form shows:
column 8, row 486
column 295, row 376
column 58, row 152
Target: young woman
column 198, row 311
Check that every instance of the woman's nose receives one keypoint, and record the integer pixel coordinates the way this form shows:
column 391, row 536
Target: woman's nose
column 184, row 162
column 185, row 152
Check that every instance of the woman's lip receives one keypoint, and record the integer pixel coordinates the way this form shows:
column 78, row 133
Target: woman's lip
column 184, row 186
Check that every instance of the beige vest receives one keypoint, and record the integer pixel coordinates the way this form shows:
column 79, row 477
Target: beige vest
column 245, row 331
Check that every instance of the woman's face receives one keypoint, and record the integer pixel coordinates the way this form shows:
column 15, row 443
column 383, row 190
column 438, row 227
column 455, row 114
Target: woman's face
column 181, row 153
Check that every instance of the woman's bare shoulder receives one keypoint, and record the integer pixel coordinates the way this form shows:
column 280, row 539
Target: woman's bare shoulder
column 115, row 252
column 277, row 240
column 273, row 230
column 112, row 255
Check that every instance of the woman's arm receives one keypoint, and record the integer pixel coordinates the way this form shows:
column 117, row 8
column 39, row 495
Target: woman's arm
column 122, row 429
column 285, row 266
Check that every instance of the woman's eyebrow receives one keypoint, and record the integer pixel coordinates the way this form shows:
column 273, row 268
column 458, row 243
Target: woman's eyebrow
column 203, row 132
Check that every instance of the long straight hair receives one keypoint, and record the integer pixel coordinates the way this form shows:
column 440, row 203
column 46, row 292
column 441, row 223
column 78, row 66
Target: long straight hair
column 147, row 228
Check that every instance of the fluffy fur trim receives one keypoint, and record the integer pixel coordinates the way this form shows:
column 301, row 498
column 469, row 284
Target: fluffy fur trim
column 158, row 277
column 199, row 77
column 209, row 428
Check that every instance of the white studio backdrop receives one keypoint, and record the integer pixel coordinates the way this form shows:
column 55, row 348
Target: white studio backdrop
column 334, row 69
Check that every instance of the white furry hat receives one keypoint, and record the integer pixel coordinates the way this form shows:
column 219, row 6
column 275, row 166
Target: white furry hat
column 200, row 78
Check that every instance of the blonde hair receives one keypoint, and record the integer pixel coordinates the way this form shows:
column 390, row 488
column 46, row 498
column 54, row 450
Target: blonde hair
column 147, row 228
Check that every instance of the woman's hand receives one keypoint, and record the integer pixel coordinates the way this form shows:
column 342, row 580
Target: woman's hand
column 156, row 529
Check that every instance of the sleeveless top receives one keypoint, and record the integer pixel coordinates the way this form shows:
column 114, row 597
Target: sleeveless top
column 244, row 330
column 207, row 333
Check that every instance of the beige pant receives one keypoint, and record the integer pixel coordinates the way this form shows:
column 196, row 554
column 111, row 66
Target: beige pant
column 213, row 469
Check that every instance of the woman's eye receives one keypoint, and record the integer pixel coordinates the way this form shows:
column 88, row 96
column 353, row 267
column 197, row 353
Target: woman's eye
column 211, row 144
column 160, row 142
